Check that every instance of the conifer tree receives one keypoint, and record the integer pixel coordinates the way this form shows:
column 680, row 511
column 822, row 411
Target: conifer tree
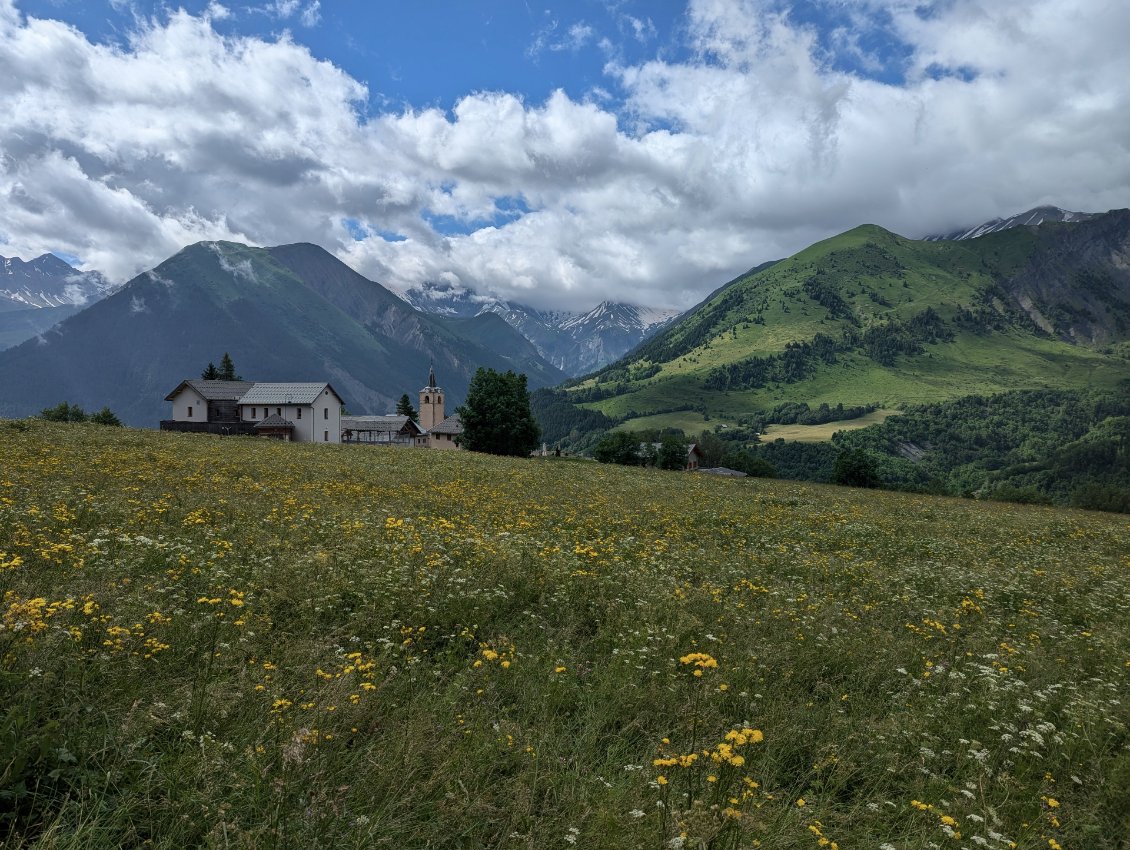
column 227, row 369
column 404, row 407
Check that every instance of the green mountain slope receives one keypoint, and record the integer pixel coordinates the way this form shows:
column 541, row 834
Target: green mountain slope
column 291, row 313
column 871, row 317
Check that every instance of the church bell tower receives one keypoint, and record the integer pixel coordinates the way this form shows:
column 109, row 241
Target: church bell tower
column 431, row 403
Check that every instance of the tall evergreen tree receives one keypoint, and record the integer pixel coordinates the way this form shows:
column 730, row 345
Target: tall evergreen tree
column 404, row 407
column 227, row 369
column 211, row 373
column 496, row 415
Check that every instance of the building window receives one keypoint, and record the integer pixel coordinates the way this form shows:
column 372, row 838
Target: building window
column 325, row 436
column 190, row 411
column 425, row 399
column 325, row 413
column 299, row 410
column 278, row 410
column 253, row 413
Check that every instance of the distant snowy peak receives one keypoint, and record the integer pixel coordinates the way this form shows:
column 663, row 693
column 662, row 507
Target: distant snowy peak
column 447, row 300
column 1032, row 217
column 48, row 281
column 574, row 342
column 625, row 317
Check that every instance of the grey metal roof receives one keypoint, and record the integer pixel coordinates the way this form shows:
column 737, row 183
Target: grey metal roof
column 392, row 423
column 274, row 421
column 451, row 425
column 213, row 390
column 270, row 393
column 723, row 470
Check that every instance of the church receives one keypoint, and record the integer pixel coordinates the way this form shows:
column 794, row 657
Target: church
column 439, row 431
column 432, row 429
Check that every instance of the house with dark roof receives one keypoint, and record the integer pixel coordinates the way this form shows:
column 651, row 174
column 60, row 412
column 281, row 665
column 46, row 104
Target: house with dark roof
column 210, row 407
column 298, row 412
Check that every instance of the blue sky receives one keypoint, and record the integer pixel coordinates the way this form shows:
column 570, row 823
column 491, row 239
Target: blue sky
column 430, row 53
column 553, row 153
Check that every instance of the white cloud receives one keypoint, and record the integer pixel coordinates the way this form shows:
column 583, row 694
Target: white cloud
column 311, row 14
column 749, row 150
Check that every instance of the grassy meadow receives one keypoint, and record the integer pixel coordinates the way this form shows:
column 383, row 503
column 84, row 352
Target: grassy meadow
column 823, row 433
column 236, row 643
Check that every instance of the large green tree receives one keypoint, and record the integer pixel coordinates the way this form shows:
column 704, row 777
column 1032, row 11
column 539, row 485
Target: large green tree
column 404, row 407
column 63, row 412
column 618, row 447
column 496, row 415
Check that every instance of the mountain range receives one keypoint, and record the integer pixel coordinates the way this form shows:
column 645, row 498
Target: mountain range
column 1039, row 300
column 37, row 294
column 290, row 313
column 872, row 318
column 576, row 343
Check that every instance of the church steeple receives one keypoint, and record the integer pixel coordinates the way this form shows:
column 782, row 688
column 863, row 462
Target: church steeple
column 431, row 402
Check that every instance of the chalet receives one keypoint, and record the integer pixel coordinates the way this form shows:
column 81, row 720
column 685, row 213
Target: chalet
column 313, row 411
column 210, row 407
column 299, row 412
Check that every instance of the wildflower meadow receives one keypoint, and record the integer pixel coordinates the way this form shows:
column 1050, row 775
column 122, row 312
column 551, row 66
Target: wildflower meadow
column 217, row 643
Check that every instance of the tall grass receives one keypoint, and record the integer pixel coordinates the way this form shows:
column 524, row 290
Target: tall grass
column 234, row 643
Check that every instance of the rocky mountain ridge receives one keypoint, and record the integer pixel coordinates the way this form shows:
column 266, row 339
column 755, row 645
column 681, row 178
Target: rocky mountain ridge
column 36, row 294
column 1031, row 218
column 576, row 343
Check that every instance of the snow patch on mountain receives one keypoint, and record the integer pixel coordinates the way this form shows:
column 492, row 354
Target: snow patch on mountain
column 48, row 281
column 1031, row 218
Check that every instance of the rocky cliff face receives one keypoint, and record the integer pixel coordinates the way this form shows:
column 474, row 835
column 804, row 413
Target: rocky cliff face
column 1076, row 283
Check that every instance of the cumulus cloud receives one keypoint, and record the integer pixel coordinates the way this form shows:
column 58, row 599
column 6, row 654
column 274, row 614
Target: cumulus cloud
column 679, row 176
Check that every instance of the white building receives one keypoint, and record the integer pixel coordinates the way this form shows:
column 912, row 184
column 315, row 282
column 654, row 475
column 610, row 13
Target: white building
column 304, row 413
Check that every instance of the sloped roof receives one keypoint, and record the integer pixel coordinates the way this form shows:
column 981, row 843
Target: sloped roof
column 213, row 390
column 274, row 421
column 270, row 393
column 391, row 423
column 451, row 425
column 723, row 470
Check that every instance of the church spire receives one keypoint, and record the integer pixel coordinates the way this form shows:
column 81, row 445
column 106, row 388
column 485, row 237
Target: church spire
column 431, row 375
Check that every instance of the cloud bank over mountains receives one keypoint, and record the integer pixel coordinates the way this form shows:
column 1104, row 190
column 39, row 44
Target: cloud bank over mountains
column 767, row 131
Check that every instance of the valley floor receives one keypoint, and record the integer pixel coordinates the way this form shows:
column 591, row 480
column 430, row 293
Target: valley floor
column 230, row 642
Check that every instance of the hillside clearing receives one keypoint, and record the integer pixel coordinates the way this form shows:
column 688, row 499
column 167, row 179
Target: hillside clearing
column 823, row 433
column 214, row 642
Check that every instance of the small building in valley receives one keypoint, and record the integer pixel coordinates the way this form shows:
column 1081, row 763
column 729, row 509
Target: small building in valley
column 210, row 407
column 312, row 411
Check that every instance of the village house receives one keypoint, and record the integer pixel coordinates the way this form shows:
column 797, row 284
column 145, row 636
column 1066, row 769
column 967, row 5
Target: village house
column 298, row 412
